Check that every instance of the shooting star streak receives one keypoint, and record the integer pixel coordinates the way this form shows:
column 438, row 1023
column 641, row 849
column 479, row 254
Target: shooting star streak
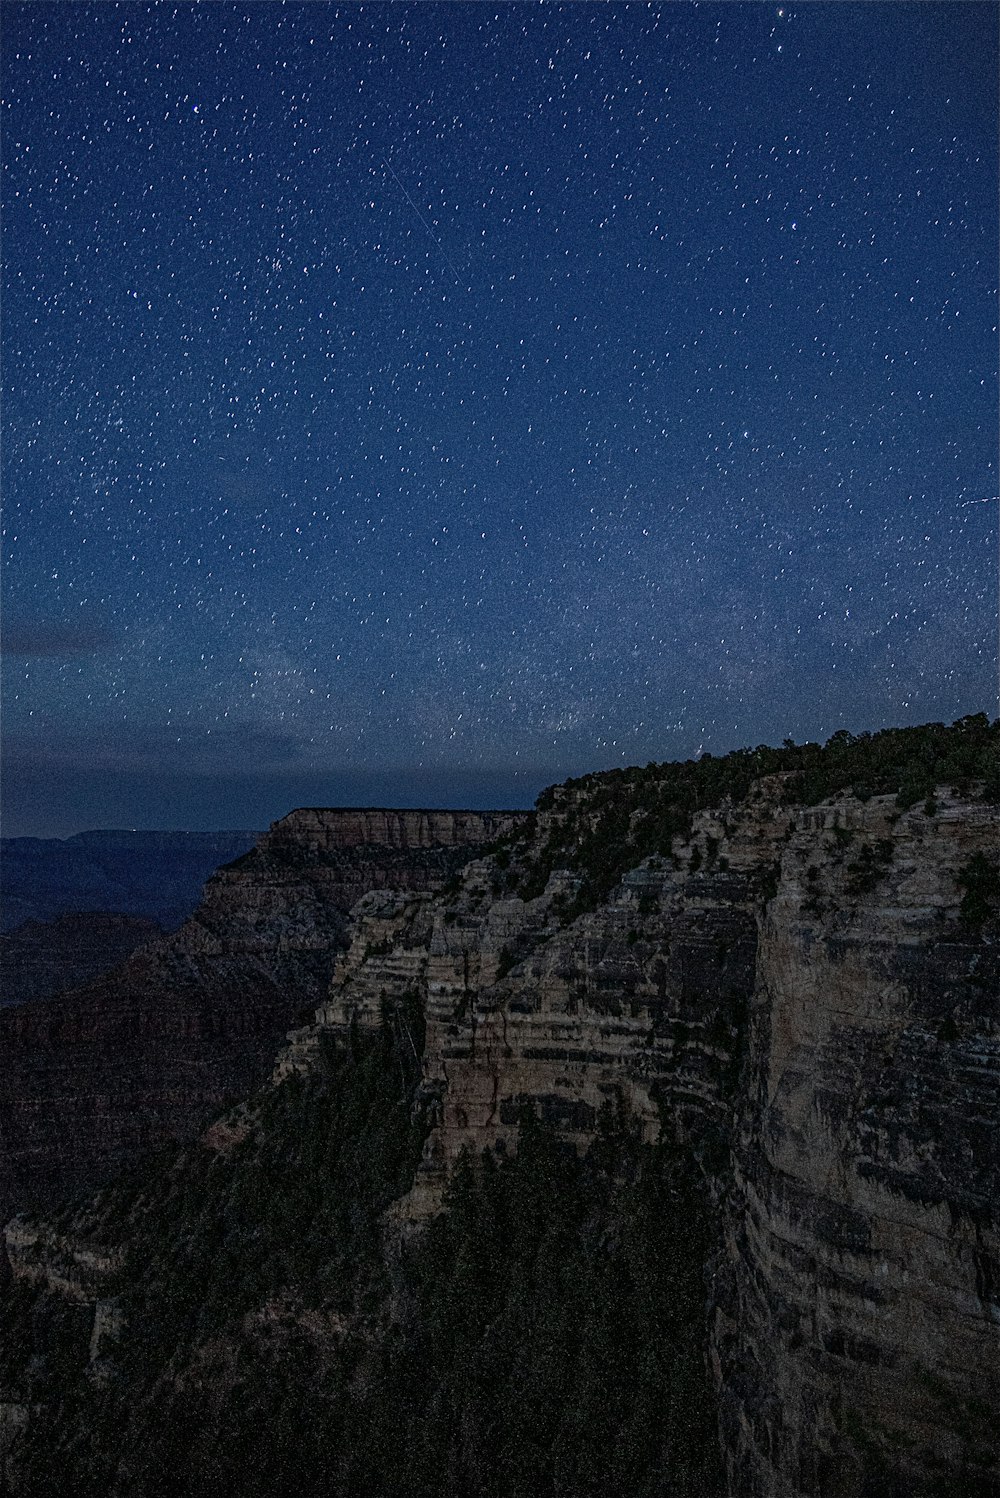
column 406, row 195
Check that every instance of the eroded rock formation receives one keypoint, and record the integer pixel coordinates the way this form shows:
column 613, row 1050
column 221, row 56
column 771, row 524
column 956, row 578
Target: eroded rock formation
column 145, row 1053
column 795, row 992
column 803, row 995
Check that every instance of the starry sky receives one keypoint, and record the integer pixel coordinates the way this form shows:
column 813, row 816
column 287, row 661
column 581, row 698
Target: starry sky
column 419, row 403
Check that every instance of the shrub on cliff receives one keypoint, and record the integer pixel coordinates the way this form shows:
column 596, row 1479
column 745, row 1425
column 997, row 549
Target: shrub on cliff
column 980, row 882
column 545, row 1336
column 606, row 823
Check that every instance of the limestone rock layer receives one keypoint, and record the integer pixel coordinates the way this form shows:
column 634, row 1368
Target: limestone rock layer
column 805, row 997
column 793, row 992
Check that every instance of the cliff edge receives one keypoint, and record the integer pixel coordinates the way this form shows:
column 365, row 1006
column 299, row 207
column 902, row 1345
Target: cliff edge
column 144, row 1054
column 768, row 984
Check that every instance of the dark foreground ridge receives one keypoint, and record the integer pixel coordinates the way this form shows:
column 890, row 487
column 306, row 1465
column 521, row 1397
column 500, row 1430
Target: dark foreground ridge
column 535, row 1330
column 656, row 1152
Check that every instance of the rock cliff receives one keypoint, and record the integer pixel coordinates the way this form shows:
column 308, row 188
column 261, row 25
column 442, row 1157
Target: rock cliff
column 857, row 1331
column 796, row 992
column 145, row 1053
column 785, row 966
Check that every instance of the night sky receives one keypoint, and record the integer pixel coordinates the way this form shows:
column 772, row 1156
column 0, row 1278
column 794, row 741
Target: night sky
column 416, row 404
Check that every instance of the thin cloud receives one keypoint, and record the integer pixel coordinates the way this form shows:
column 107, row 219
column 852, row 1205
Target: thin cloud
column 31, row 640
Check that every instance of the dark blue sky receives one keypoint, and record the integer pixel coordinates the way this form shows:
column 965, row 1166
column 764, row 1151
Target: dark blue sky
column 419, row 403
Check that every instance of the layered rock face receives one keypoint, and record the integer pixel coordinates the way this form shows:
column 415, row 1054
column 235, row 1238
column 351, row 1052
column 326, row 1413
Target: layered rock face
column 794, row 994
column 804, row 996
column 859, row 1326
column 93, row 1077
column 324, row 830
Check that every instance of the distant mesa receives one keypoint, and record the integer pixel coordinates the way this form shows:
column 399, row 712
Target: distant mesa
column 158, row 876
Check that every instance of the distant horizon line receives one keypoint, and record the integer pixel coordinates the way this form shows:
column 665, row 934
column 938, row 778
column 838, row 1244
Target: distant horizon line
column 459, row 811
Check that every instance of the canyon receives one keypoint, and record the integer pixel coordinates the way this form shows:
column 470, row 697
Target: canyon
column 794, row 984
column 39, row 959
column 830, row 1049
column 143, row 1054
column 153, row 875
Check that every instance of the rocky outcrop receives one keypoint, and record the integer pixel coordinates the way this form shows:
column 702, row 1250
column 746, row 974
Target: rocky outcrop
column 794, row 993
column 803, row 996
column 643, row 999
column 143, row 1054
column 320, row 830
column 858, row 1333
